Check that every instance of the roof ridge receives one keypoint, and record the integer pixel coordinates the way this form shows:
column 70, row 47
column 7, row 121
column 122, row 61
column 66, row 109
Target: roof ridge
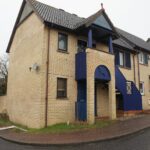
column 60, row 9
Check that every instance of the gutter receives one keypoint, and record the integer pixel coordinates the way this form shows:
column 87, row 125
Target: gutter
column 47, row 73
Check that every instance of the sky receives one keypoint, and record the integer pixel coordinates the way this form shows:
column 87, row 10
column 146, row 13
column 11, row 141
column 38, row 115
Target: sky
column 130, row 15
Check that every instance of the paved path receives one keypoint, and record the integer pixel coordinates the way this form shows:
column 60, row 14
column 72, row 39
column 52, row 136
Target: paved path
column 138, row 141
column 121, row 128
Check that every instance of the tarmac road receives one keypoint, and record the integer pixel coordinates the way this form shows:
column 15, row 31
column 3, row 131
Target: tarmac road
column 138, row 141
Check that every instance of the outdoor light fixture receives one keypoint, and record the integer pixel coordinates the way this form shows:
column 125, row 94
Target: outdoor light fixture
column 35, row 67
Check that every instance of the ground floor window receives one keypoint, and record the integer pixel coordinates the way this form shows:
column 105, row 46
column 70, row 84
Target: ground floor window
column 142, row 88
column 129, row 87
column 61, row 88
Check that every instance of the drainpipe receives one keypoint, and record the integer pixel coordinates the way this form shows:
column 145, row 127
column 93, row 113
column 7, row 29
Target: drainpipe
column 47, row 73
column 134, row 68
column 138, row 70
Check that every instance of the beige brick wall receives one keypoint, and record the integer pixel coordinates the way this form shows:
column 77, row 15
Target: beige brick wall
column 3, row 100
column 26, row 90
column 24, row 96
column 144, row 77
column 62, row 65
column 102, row 100
column 128, row 73
column 94, row 59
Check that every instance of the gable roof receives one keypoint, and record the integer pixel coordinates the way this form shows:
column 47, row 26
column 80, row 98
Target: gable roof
column 133, row 40
column 50, row 15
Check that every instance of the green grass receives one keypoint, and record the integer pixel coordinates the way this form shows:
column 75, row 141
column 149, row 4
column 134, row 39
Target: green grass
column 58, row 128
column 4, row 122
column 63, row 127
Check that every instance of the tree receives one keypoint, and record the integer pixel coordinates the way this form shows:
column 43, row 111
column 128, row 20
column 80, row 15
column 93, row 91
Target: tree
column 3, row 74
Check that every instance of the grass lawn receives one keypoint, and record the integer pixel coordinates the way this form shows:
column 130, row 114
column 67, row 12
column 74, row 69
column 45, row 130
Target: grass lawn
column 59, row 128
column 63, row 127
column 4, row 122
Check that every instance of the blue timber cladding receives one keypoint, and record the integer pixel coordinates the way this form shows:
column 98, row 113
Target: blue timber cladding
column 81, row 66
column 90, row 42
column 130, row 101
column 110, row 45
column 81, row 101
column 81, row 113
column 102, row 22
column 102, row 73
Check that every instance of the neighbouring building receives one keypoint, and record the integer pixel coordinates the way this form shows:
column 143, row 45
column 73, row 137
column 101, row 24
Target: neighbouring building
column 65, row 68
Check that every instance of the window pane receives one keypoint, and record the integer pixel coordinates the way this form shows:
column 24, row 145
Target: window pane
column 62, row 39
column 116, row 57
column 129, row 87
column 121, row 59
column 61, row 88
column 127, row 60
column 142, row 88
column 145, row 58
column 82, row 45
column 141, row 58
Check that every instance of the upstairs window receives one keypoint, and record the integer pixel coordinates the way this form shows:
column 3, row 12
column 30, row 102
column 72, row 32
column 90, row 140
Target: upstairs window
column 61, row 88
column 82, row 45
column 123, row 59
column 143, row 58
column 62, row 42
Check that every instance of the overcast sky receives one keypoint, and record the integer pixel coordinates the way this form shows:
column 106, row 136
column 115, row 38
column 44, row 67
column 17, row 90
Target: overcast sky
column 130, row 15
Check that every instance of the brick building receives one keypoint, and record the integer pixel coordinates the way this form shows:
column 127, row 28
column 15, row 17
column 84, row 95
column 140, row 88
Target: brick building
column 66, row 68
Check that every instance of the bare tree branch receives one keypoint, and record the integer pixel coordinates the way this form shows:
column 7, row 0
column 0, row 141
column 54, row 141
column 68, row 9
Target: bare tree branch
column 3, row 74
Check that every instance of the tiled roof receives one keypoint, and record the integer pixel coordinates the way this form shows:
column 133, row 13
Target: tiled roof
column 70, row 21
column 56, row 16
column 62, row 18
column 134, row 39
column 121, row 42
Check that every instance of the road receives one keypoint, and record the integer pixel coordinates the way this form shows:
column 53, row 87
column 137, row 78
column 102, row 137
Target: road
column 139, row 141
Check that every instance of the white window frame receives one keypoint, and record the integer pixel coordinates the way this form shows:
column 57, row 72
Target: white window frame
column 142, row 91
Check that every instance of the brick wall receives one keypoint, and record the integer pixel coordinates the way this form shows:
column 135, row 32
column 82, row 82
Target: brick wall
column 3, row 100
column 24, row 95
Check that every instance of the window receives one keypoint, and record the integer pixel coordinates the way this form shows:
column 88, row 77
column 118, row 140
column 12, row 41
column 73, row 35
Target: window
column 82, row 45
column 62, row 42
column 143, row 58
column 142, row 88
column 61, row 88
column 129, row 87
column 122, row 59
